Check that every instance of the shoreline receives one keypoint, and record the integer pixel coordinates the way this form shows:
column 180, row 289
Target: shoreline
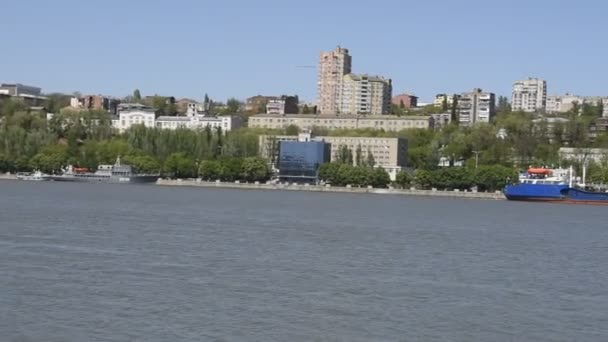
column 8, row 176
column 319, row 188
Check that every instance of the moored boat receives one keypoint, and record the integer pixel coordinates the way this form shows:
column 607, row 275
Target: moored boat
column 117, row 173
column 545, row 185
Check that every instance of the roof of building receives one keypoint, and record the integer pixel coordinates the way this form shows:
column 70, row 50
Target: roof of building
column 371, row 78
column 173, row 118
column 344, row 116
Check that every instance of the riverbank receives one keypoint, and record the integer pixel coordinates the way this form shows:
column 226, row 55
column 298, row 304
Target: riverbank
column 320, row 188
column 8, row 176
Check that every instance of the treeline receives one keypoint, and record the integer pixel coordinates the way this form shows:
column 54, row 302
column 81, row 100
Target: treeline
column 484, row 178
column 342, row 174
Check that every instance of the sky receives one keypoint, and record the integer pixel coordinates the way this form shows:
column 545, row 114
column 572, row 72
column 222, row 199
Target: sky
column 241, row 48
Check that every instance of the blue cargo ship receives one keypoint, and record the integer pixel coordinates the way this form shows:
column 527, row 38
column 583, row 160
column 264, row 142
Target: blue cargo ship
column 545, row 185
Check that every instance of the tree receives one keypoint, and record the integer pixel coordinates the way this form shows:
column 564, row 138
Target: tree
column 444, row 103
column 143, row 163
column 292, row 130
column 404, row 179
column 254, row 169
column 136, row 95
column 371, row 162
column 209, row 170
column 494, row 177
column 379, row 178
column 306, row 109
column 454, row 111
column 206, row 102
column 345, row 155
column 358, row 156
column 401, row 104
column 423, row 178
column 179, row 165
column 233, row 106
column 503, row 105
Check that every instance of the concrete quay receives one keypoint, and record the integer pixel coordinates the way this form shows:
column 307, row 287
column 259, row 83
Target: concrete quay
column 320, row 188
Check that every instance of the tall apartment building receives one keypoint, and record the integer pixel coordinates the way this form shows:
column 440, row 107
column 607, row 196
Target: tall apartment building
column 333, row 65
column 476, row 106
column 529, row 95
column 364, row 94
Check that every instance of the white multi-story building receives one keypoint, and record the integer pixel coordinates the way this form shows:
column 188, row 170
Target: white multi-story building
column 196, row 118
column 130, row 114
column 605, row 108
column 333, row 65
column 476, row 106
column 529, row 95
column 364, row 94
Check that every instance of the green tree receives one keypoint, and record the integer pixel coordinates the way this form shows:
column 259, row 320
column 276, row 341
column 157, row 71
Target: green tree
column 454, row 110
column 404, row 179
column 210, row 170
column 423, row 178
column 306, row 109
column 136, row 95
column 233, row 106
column 371, row 161
column 178, row 165
column 292, row 130
column 255, row 169
column 494, row 177
column 379, row 178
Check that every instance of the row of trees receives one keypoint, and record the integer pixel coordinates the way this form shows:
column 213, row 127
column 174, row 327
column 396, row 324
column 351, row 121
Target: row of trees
column 341, row 174
column 485, row 178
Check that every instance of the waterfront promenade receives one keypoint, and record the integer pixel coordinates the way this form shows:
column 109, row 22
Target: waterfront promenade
column 320, row 188
column 8, row 176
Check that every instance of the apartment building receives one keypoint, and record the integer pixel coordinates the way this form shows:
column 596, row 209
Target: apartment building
column 529, row 95
column 283, row 105
column 440, row 99
column 333, row 65
column 347, row 121
column 476, row 106
column 365, row 94
column 388, row 153
column 405, row 100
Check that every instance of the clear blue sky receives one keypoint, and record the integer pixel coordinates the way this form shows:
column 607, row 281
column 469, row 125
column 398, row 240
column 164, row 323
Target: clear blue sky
column 241, row 48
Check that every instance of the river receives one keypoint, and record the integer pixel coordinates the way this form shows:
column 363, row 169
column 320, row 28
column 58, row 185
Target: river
column 90, row 262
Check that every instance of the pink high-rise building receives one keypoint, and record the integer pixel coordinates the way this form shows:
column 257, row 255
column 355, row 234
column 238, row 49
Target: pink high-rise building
column 333, row 65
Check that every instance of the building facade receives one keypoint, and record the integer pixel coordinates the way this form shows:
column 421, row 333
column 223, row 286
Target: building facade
column 299, row 161
column 18, row 89
column 283, row 105
column 388, row 153
column 405, row 100
column 331, row 122
column 476, row 106
column 130, row 114
column 440, row 99
column 333, row 65
column 364, row 94
column 529, row 95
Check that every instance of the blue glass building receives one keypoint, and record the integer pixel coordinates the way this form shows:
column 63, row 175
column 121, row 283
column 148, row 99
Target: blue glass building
column 299, row 161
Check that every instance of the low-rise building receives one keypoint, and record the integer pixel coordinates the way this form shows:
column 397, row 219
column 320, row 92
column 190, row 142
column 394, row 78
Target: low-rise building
column 388, row 153
column 346, row 121
column 405, row 100
column 299, row 161
column 130, row 114
column 283, row 105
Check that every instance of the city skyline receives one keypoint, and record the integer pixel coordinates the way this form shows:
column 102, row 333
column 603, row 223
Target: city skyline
column 425, row 49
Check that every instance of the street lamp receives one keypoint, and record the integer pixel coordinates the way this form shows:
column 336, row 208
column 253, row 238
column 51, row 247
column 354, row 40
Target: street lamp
column 476, row 157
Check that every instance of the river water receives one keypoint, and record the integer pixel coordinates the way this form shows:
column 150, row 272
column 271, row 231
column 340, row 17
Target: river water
column 90, row 262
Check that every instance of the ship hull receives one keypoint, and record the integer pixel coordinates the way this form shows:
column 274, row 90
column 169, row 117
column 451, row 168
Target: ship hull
column 554, row 194
column 114, row 180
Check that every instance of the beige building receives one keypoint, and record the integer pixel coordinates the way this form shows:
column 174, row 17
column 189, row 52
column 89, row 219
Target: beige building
column 333, row 65
column 388, row 153
column 364, row 94
column 441, row 98
column 529, row 95
column 304, row 121
column 476, row 106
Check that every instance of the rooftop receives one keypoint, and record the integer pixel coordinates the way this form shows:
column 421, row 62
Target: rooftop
column 344, row 116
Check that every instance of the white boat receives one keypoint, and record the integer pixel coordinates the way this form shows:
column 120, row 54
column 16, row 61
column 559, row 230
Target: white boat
column 35, row 176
